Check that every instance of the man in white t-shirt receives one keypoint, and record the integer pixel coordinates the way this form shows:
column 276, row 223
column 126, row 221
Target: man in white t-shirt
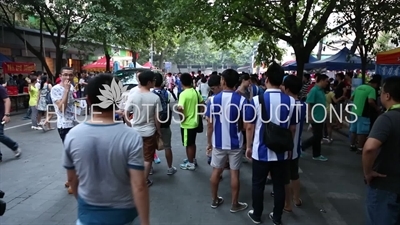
column 145, row 107
column 63, row 102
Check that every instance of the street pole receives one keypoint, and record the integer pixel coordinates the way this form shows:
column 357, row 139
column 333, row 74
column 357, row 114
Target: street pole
column 152, row 53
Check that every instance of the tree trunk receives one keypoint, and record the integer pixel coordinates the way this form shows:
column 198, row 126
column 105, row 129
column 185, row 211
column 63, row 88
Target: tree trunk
column 302, row 57
column 59, row 59
column 134, row 59
column 107, row 55
column 364, row 61
column 108, row 59
column 320, row 48
column 41, row 40
column 160, row 60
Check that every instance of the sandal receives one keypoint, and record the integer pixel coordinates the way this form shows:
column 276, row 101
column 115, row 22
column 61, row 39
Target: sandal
column 300, row 204
column 287, row 210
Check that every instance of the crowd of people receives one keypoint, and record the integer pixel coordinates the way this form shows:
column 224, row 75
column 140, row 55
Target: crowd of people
column 259, row 120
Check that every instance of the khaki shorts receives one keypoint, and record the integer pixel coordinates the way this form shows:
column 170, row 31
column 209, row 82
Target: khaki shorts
column 219, row 158
column 149, row 147
column 166, row 135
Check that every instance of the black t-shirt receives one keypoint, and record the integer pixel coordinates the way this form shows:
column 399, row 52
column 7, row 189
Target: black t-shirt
column 339, row 90
column 386, row 129
column 3, row 95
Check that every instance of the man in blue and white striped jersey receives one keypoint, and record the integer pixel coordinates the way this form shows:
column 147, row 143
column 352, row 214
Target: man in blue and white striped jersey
column 281, row 108
column 292, row 87
column 225, row 138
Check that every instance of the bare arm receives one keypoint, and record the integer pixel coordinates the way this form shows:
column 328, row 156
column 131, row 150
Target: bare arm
column 64, row 100
column 249, row 134
column 7, row 105
column 210, row 131
column 140, row 193
column 73, row 181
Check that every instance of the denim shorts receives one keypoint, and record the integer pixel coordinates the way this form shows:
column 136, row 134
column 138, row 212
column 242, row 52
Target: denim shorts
column 361, row 126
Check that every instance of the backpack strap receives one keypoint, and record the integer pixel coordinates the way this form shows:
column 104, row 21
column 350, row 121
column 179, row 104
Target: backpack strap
column 263, row 109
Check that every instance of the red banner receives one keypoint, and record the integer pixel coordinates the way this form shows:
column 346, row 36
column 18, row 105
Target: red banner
column 16, row 67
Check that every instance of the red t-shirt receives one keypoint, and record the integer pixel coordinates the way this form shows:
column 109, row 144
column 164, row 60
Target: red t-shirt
column 309, row 87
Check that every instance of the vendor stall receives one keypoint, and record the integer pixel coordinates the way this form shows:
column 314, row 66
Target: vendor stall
column 388, row 63
column 100, row 65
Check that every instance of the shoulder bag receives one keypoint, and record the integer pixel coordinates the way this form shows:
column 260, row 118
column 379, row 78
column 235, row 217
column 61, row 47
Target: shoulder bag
column 275, row 137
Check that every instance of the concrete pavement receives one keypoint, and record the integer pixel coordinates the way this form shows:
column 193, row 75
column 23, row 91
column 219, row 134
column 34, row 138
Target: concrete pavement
column 333, row 192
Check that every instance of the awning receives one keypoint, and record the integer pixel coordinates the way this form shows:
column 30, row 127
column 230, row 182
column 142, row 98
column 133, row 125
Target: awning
column 3, row 59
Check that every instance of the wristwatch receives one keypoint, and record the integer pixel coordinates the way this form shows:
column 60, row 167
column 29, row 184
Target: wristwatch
column 7, row 114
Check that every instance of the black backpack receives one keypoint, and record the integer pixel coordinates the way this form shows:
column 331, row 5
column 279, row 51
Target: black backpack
column 166, row 114
column 276, row 138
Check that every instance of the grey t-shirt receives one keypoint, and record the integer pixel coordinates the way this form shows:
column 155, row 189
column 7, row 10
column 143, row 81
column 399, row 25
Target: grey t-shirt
column 144, row 106
column 386, row 129
column 102, row 156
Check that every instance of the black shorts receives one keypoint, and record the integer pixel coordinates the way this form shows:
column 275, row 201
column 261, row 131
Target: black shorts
column 63, row 133
column 293, row 171
column 188, row 136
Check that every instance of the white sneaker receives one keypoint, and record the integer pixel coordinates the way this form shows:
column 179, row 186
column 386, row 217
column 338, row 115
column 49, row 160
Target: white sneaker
column 17, row 153
column 171, row 171
column 39, row 128
column 33, row 127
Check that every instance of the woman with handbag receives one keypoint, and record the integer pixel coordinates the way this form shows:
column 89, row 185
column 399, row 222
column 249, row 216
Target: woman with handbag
column 43, row 102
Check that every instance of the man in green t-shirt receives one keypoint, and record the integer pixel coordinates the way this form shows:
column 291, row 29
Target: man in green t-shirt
column 364, row 104
column 189, row 115
column 316, row 102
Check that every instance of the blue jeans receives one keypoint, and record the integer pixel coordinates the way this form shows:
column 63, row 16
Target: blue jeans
column 28, row 113
column 6, row 140
column 383, row 207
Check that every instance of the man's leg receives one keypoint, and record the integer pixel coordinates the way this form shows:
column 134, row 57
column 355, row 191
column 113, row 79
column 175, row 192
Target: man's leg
column 363, row 127
column 259, row 177
column 11, row 144
column 166, row 138
column 235, row 161
column 63, row 133
column 218, row 160
column 317, row 138
column 149, row 148
column 189, row 141
column 279, row 171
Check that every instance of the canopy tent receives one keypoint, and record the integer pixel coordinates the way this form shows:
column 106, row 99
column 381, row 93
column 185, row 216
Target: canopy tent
column 3, row 59
column 340, row 61
column 130, row 65
column 388, row 63
column 148, row 65
column 100, row 65
column 293, row 65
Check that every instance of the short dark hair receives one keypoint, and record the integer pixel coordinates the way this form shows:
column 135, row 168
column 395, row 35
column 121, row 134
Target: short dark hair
column 293, row 83
column 159, row 80
column 93, row 88
column 214, row 80
column 214, row 73
column 322, row 77
column 231, row 77
column 146, row 76
column 186, row 79
column 391, row 86
column 65, row 68
column 340, row 75
column 275, row 74
column 307, row 76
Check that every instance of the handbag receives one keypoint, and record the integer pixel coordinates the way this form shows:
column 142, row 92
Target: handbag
column 199, row 128
column 160, row 143
column 48, row 96
column 278, row 139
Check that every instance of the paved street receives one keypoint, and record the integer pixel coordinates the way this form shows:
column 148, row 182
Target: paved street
column 333, row 191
